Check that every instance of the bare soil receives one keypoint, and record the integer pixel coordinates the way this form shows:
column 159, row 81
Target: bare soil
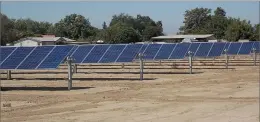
column 113, row 94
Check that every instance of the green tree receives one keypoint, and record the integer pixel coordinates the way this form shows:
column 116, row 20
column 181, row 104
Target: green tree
column 8, row 33
column 122, row 18
column 73, row 26
column 246, row 30
column 220, row 12
column 196, row 21
column 142, row 24
column 150, row 31
column 255, row 36
column 127, row 35
column 104, row 25
column 219, row 23
column 112, row 31
column 233, row 31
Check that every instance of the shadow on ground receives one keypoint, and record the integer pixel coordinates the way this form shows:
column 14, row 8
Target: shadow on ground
column 123, row 72
column 42, row 88
column 84, row 79
column 147, row 68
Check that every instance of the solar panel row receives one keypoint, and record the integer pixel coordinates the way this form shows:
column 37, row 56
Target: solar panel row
column 106, row 53
column 41, row 57
column 205, row 49
column 48, row 57
column 119, row 52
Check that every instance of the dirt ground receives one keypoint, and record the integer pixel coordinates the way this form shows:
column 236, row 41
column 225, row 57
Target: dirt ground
column 116, row 95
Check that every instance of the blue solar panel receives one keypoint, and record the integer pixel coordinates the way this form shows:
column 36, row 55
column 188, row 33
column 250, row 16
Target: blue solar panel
column 203, row 50
column 16, row 57
column 95, row 55
column 256, row 46
column 217, row 49
column 54, row 58
column 75, row 47
column 226, row 47
column 112, row 53
column 151, row 51
column 193, row 48
column 143, row 48
column 5, row 52
column 81, row 52
column 246, row 48
column 180, row 51
column 165, row 51
column 129, row 53
column 35, row 58
column 234, row 48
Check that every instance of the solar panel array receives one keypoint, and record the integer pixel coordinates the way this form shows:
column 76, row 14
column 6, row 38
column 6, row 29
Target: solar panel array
column 49, row 57
column 40, row 57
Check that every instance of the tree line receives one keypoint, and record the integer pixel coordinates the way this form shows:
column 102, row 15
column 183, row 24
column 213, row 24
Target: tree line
column 201, row 21
column 124, row 28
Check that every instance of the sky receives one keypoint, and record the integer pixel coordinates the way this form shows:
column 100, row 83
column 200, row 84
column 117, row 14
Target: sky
column 170, row 13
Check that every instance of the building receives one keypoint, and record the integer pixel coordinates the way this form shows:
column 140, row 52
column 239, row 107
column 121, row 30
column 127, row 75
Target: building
column 185, row 38
column 44, row 40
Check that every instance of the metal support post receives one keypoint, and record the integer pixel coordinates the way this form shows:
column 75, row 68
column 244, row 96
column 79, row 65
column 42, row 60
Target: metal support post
column 227, row 58
column 69, row 62
column 254, row 51
column 123, row 65
column 160, row 62
column 141, row 65
column 75, row 69
column 9, row 75
column 190, row 61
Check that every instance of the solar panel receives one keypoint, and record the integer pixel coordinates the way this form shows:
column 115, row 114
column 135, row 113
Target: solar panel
column 96, row 54
column 256, row 45
column 246, row 48
column 81, row 52
column 71, row 52
column 217, row 49
column 16, row 57
column 143, row 48
column 55, row 57
column 193, row 47
column 130, row 52
column 35, row 58
column 226, row 47
column 180, row 51
column 112, row 53
column 46, row 57
column 165, row 51
column 5, row 52
column 234, row 48
column 75, row 47
column 151, row 51
column 203, row 50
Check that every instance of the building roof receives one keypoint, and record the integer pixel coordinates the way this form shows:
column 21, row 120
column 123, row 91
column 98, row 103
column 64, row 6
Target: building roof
column 47, row 39
column 68, row 40
column 183, row 36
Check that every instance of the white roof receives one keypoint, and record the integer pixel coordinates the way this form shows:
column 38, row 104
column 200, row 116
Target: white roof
column 45, row 39
column 69, row 40
column 183, row 36
column 49, row 39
